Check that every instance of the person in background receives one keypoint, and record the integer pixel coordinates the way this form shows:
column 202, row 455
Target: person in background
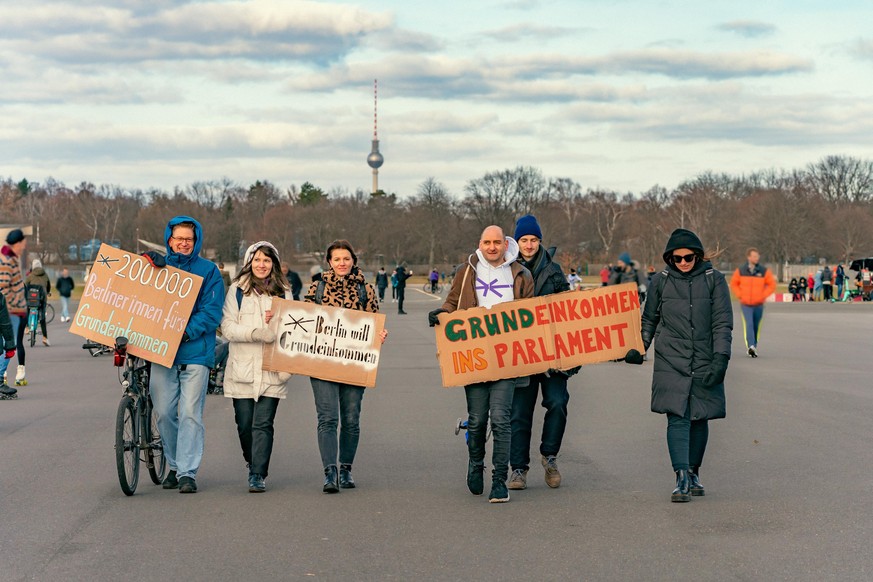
column 626, row 272
column 548, row 279
column 491, row 276
column 294, row 280
column 7, row 350
column 394, row 286
column 840, row 281
column 342, row 286
column 38, row 278
column 402, row 276
column 793, row 289
column 245, row 324
column 179, row 391
column 752, row 283
column 604, row 275
column 12, row 288
column 802, row 286
column 818, row 286
column 690, row 320
column 827, row 284
column 810, row 287
column 574, row 281
column 381, row 283
column 65, row 286
column 434, row 279
column 225, row 275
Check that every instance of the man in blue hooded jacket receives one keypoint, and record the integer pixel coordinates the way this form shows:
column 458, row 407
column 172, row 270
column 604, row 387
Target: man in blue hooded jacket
column 179, row 392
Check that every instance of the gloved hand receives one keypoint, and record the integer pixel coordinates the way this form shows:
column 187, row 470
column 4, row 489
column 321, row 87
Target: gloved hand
column 432, row 317
column 717, row 369
column 185, row 337
column 10, row 353
column 155, row 259
column 633, row 357
column 264, row 335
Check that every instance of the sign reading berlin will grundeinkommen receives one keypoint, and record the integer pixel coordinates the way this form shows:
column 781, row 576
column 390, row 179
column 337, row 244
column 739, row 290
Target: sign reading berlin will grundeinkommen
column 125, row 296
column 330, row 343
column 531, row 336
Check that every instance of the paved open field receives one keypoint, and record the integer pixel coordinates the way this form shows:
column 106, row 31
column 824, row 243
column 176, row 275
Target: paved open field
column 789, row 477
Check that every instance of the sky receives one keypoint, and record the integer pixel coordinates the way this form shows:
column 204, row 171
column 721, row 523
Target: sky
column 616, row 94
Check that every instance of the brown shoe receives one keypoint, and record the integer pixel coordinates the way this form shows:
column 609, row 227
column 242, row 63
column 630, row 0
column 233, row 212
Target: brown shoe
column 553, row 476
column 518, row 480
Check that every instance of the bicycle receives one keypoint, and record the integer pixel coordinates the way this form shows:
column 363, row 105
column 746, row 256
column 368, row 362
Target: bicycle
column 428, row 288
column 137, row 437
column 35, row 296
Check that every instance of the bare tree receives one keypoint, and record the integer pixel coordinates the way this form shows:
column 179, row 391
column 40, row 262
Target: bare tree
column 842, row 179
column 500, row 197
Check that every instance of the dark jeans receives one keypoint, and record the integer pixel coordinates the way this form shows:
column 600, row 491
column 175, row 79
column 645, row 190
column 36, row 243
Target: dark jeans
column 19, row 341
column 686, row 440
column 335, row 403
column 555, row 399
column 401, row 295
column 496, row 398
column 381, row 293
column 828, row 289
column 254, row 423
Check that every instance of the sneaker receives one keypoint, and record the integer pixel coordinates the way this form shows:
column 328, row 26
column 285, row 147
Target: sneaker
column 518, row 480
column 46, row 342
column 256, row 484
column 475, row 482
column 753, row 351
column 499, row 494
column 187, row 485
column 170, row 481
column 553, row 476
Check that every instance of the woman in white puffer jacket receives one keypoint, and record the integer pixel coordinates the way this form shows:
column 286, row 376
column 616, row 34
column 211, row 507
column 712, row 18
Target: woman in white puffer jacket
column 255, row 392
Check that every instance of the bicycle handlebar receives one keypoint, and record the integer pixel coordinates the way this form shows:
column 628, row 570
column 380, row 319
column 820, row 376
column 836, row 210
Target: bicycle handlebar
column 92, row 346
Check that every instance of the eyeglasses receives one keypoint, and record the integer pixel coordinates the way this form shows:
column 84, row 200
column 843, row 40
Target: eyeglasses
column 684, row 258
column 186, row 241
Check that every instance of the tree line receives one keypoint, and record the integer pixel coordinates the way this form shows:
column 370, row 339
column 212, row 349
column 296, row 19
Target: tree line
column 824, row 210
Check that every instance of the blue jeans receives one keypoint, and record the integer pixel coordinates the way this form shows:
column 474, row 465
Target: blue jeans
column 752, row 315
column 555, row 399
column 4, row 363
column 335, row 403
column 65, row 307
column 494, row 398
column 178, row 396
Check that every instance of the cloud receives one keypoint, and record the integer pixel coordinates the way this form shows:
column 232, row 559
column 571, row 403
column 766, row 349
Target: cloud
column 862, row 49
column 256, row 29
column 523, row 31
column 748, row 28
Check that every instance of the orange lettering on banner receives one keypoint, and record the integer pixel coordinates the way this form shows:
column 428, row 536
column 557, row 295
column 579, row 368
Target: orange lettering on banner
column 531, row 336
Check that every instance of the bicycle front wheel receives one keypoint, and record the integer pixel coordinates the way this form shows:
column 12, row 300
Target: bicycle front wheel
column 49, row 313
column 155, row 460
column 127, row 445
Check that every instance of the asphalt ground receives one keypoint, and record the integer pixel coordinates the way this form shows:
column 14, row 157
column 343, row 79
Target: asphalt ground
column 787, row 475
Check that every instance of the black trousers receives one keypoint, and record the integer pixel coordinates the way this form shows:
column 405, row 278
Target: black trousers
column 686, row 440
column 254, row 423
column 401, row 295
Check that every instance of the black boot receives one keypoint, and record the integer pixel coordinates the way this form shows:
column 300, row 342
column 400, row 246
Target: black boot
column 345, row 477
column 681, row 494
column 331, row 480
column 695, row 487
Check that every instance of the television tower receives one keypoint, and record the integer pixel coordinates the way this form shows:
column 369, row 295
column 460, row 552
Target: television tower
column 375, row 159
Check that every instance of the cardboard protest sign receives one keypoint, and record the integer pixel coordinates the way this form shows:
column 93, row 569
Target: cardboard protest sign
column 330, row 343
column 125, row 296
column 529, row 336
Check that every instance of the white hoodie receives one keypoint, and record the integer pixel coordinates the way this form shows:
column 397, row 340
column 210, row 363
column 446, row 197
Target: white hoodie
column 495, row 284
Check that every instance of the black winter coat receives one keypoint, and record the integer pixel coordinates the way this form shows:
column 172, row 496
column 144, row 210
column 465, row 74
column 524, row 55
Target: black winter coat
column 548, row 276
column 688, row 329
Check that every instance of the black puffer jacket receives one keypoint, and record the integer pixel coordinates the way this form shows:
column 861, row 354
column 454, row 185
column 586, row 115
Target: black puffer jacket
column 688, row 327
column 548, row 276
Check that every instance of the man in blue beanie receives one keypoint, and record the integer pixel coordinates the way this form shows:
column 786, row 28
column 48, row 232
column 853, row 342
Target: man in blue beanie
column 548, row 279
column 625, row 272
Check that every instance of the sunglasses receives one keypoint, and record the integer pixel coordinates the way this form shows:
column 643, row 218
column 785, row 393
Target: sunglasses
column 689, row 258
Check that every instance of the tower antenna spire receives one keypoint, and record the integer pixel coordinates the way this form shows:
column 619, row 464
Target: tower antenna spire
column 375, row 159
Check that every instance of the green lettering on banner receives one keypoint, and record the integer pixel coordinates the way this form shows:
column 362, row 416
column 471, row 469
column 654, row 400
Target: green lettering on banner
column 527, row 317
column 510, row 321
column 452, row 335
column 491, row 324
column 476, row 328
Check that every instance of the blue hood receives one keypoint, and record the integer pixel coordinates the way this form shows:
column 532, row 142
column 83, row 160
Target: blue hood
column 175, row 259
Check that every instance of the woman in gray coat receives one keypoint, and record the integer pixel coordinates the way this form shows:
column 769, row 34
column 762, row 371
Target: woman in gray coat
column 689, row 316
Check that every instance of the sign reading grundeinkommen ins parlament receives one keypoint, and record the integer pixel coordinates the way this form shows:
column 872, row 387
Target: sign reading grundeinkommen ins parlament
column 329, row 343
column 125, row 296
column 531, row 336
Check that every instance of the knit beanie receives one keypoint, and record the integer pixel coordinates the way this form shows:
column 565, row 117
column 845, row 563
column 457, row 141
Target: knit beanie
column 527, row 225
column 36, row 264
column 250, row 252
column 625, row 258
column 14, row 236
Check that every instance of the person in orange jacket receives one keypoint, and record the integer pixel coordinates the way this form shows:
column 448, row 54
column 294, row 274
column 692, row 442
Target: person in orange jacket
column 752, row 284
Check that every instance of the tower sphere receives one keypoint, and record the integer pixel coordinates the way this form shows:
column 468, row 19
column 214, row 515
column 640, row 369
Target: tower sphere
column 375, row 159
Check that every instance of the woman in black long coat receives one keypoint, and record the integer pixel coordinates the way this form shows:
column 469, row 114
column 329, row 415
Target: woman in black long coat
column 689, row 317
